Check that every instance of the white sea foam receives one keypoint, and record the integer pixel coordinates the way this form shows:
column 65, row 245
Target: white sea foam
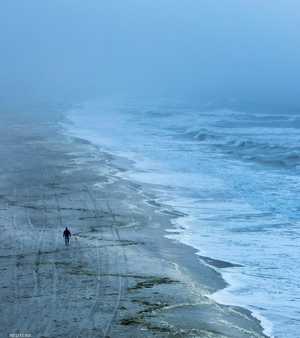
column 225, row 296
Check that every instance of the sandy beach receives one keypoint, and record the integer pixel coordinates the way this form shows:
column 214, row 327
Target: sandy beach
column 120, row 276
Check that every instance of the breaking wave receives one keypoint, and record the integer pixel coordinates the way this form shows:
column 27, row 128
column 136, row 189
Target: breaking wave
column 264, row 153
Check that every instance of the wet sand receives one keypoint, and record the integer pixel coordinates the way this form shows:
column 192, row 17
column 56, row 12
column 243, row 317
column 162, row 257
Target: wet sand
column 120, row 276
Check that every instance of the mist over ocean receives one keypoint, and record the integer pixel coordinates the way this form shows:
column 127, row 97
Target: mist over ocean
column 68, row 51
column 235, row 175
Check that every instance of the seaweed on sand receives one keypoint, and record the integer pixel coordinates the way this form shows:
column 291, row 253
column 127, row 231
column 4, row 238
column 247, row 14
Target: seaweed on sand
column 140, row 320
column 150, row 283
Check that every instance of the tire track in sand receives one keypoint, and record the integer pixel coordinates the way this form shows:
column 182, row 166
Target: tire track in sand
column 18, row 271
column 54, row 278
column 115, row 230
column 24, row 322
column 47, row 316
column 39, row 242
column 100, row 288
column 117, row 238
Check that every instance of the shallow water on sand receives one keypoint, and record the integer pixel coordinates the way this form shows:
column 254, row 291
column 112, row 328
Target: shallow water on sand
column 235, row 176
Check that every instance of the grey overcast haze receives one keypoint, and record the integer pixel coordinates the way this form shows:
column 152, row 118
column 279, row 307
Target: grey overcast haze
column 230, row 49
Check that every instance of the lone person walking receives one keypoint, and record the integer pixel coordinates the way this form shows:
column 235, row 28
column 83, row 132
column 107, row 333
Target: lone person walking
column 67, row 236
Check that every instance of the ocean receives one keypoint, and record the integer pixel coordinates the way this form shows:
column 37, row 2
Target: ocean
column 235, row 175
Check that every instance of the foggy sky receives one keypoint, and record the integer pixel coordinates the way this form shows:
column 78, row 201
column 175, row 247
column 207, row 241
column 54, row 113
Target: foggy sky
column 234, row 49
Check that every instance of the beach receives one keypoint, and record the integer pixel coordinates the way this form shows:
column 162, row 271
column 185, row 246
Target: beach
column 120, row 276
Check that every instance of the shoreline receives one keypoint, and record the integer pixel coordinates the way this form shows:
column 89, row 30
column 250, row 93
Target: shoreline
column 225, row 294
column 213, row 264
column 120, row 277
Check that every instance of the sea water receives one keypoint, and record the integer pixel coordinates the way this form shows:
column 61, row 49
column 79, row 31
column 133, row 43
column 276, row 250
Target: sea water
column 236, row 177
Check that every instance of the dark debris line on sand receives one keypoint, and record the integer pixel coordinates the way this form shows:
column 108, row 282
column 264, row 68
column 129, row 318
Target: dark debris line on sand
column 120, row 277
